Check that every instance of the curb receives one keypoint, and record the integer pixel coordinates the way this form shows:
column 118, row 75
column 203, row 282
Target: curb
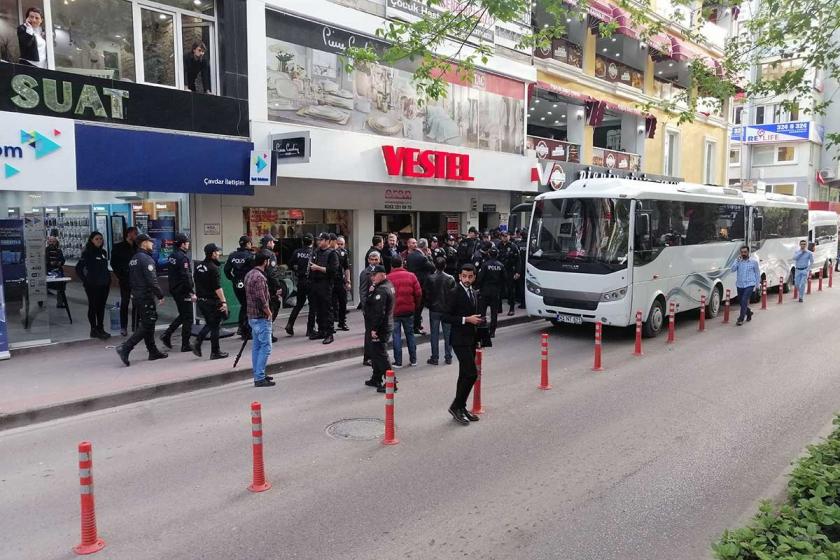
column 148, row 392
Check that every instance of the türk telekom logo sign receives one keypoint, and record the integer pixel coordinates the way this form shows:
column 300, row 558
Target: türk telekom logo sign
column 413, row 162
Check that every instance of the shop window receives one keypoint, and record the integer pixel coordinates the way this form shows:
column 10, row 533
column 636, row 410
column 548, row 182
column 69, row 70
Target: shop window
column 12, row 14
column 735, row 156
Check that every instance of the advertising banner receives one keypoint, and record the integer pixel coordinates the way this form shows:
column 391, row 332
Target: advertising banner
column 162, row 232
column 4, row 331
column 799, row 131
column 34, row 236
column 13, row 251
column 37, row 153
column 557, row 150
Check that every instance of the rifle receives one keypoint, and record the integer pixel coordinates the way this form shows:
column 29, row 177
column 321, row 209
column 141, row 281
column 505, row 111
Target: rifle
column 247, row 337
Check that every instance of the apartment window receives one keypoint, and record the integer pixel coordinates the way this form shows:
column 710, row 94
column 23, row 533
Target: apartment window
column 785, row 154
column 709, row 174
column 735, row 156
column 773, row 155
column 737, row 115
column 759, row 115
column 671, row 159
column 782, row 188
column 787, row 115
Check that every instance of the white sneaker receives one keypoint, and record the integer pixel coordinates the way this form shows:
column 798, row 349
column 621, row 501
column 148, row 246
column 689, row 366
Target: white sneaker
column 396, row 366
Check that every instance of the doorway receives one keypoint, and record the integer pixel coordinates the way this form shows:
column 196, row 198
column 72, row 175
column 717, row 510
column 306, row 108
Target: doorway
column 402, row 223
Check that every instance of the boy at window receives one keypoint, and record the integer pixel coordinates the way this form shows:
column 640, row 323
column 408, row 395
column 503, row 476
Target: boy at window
column 33, row 46
column 195, row 65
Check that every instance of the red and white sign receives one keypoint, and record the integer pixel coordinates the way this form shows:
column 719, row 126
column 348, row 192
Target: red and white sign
column 413, row 162
column 549, row 173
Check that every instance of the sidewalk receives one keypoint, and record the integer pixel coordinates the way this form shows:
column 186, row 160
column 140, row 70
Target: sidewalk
column 42, row 384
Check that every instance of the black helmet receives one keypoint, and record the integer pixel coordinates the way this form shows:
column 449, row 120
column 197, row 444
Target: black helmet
column 308, row 238
column 243, row 241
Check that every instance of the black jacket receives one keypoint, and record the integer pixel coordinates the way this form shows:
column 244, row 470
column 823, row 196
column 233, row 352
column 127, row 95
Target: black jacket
column 180, row 274
column 208, row 279
column 388, row 254
column 466, row 249
column 142, row 275
column 343, row 259
column 458, row 307
column 436, row 291
column 121, row 254
column 238, row 264
column 364, row 286
column 300, row 262
column 379, row 311
column 28, row 44
column 419, row 265
column 276, row 287
column 452, row 261
column 92, row 268
column 193, row 68
column 54, row 258
column 491, row 278
column 509, row 257
column 327, row 258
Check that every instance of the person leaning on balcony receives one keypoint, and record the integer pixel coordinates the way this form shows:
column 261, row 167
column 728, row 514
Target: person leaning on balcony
column 195, row 65
column 33, row 46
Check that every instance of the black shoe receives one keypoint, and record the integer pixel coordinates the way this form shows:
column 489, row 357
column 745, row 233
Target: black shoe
column 196, row 348
column 123, row 332
column 459, row 416
column 308, row 333
column 158, row 356
column 269, row 378
column 739, row 322
column 470, row 416
column 316, row 336
column 343, row 327
column 419, row 331
column 123, row 355
column 366, row 363
column 94, row 333
column 166, row 339
column 511, row 313
column 273, row 339
column 60, row 306
column 749, row 317
column 218, row 355
column 264, row 383
column 521, row 307
column 432, row 362
column 186, row 348
column 328, row 339
column 448, row 361
column 102, row 335
column 373, row 383
column 290, row 330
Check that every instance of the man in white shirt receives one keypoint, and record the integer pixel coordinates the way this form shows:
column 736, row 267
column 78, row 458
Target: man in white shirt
column 33, row 46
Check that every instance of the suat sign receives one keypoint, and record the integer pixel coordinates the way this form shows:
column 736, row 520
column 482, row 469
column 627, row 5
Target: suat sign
column 413, row 162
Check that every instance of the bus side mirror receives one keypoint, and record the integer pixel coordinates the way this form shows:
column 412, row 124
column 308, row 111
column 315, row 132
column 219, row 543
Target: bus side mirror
column 758, row 222
column 642, row 225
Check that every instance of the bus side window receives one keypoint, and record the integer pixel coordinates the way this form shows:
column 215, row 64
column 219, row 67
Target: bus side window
column 757, row 229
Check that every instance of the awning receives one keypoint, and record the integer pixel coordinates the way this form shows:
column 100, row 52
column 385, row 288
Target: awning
column 625, row 24
column 559, row 90
column 683, row 52
column 599, row 12
column 660, row 46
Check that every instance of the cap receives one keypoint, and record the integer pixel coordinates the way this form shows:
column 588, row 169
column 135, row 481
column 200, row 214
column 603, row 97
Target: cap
column 486, row 246
column 266, row 239
column 308, row 238
column 378, row 268
column 181, row 238
column 333, row 237
column 142, row 237
column 472, row 230
column 324, row 235
column 434, row 239
column 53, row 232
column 244, row 240
column 450, row 237
column 493, row 252
column 211, row 248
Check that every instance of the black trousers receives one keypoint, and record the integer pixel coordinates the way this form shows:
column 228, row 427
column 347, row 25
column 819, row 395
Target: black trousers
column 302, row 295
column 183, row 320
column 340, row 302
column 243, row 309
column 147, row 312
column 320, row 303
column 418, row 317
column 97, row 298
column 467, row 374
column 378, row 357
column 368, row 341
column 511, row 290
column 210, row 310
column 494, row 302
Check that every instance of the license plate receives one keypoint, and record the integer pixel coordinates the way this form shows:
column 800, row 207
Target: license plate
column 571, row 319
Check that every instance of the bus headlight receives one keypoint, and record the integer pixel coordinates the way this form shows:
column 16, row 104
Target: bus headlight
column 533, row 287
column 614, row 295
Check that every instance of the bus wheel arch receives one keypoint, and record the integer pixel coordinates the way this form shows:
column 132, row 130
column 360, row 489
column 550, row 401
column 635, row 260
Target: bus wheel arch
column 655, row 318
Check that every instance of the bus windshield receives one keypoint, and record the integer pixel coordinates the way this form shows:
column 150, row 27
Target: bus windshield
column 586, row 235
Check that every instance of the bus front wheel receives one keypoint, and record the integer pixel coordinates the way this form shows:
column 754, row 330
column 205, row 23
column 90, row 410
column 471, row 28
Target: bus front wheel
column 656, row 319
column 713, row 308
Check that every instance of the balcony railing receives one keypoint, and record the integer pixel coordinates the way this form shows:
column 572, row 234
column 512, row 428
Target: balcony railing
column 613, row 159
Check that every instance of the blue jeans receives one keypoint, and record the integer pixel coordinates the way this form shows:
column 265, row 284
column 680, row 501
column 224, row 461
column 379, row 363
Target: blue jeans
column 406, row 322
column 801, row 279
column 261, row 346
column 435, row 321
column 744, row 295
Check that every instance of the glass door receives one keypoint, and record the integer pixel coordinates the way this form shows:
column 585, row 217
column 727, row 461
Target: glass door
column 158, row 46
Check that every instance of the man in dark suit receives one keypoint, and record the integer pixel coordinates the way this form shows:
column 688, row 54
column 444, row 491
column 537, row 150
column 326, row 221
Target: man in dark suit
column 462, row 314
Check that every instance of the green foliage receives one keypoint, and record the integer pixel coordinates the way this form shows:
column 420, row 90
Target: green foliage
column 807, row 526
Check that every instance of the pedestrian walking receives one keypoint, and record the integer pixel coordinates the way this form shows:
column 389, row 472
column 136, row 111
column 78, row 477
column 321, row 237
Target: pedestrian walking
column 747, row 278
column 276, row 287
column 379, row 323
column 92, row 270
column 365, row 287
column 146, row 295
column 300, row 266
column 418, row 263
column 436, row 293
column 491, row 284
column 342, row 284
column 258, row 302
column 121, row 255
column 462, row 314
column 407, row 295
column 323, row 271
column 182, row 290
column 237, row 266
column 803, row 259
column 211, row 301
column 509, row 257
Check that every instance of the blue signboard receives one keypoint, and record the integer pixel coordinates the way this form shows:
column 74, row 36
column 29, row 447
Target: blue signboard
column 113, row 159
column 12, row 250
column 777, row 132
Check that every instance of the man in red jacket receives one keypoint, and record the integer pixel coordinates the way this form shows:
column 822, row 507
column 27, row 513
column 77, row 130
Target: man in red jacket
column 408, row 296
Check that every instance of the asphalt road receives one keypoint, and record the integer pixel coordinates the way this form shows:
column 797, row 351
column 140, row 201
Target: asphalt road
column 650, row 459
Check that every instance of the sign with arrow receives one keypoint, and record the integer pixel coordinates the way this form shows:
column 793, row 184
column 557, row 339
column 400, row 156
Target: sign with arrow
column 37, row 153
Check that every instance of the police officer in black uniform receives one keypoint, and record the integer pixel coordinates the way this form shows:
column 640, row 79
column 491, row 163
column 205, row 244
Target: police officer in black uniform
column 276, row 286
column 509, row 256
column 481, row 255
column 323, row 271
column 300, row 265
column 341, row 283
column 451, row 255
column 211, row 301
column 467, row 247
column 379, row 325
column 436, row 248
column 146, row 294
column 182, row 290
column 522, row 243
column 237, row 266
column 491, row 283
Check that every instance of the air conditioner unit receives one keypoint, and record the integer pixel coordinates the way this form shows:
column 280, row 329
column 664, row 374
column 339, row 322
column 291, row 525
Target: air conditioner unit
column 828, row 174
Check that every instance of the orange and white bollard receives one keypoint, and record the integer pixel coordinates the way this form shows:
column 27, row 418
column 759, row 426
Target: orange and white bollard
column 809, row 283
column 259, row 483
column 726, row 304
column 830, row 276
column 781, row 290
column 764, row 295
column 795, row 291
column 544, row 384
column 390, row 431
column 702, row 325
column 637, row 350
column 477, row 407
column 598, row 331
column 672, row 328
column 90, row 540
column 819, row 284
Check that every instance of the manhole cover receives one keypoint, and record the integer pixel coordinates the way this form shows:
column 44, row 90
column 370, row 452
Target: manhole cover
column 359, row 429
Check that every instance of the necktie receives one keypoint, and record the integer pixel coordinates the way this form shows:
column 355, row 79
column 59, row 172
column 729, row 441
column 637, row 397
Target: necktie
column 472, row 298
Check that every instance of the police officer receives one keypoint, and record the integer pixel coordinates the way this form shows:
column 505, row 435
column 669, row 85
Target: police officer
column 276, row 287
column 144, row 291
column 237, row 266
column 182, row 290
column 467, row 247
column 481, row 255
column 491, row 283
column 451, row 255
column 342, row 283
column 522, row 243
column 323, row 271
column 437, row 249
column 379, row 325
column 300, row 265
column 509, row 256
column 211, row 301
